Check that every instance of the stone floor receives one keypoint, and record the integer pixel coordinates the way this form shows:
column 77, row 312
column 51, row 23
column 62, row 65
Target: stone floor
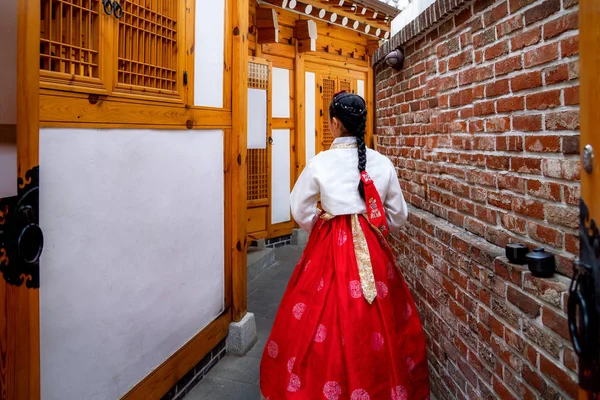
column 236, row 378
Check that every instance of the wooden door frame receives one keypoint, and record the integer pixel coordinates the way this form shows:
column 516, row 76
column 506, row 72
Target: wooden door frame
column 20, row 324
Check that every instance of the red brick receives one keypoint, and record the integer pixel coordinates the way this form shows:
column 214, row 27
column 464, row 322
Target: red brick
column 513, row 24
column 528, row 207
column 484, row 108
column 509, row 104
column 557, row 322
column 561, row 25
column 570, row 3
column 448, row 47
column 525, row 39
column 516, row 5
column 571, row 360
column 486, row 215
column 566, row 120
column 528, row 80
column 497, row 124
column 447, row 83
column 486, row 143
column 484, row 38
column 500, row 200
column 508, row 65
column 476, row 126
column 557, row 74
column 541, row 11
column 497, row 162
column 497, row 88
column 526, row 165
column 542, row 143
column 527, row 123
column 570, row 46
column 463, row 17
column 496, row 51
column 495, row 14
column 566, row 381
column 511, row 182
column 565, row 169
column 571, row 95
column 545, row 234
column 502, row 391
column 543, row 100
column 460, row 60
column 561, row 215
column 476, row 75
column 541, row 55
column 572, row 243
column 514, row 224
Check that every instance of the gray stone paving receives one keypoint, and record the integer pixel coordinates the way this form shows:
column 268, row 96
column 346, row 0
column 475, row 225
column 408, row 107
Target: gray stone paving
column 236, row 378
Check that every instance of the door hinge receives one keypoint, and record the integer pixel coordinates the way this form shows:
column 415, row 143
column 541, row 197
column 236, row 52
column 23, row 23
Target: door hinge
column 185, row 78
column 321, row 112
column 321, row 89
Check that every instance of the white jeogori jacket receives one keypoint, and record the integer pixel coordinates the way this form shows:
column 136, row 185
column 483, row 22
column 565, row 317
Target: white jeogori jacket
column 334, row 175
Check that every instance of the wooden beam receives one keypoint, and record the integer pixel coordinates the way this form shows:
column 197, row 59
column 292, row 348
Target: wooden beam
column 158, row 383
column 268, row 28
column 370, row 100
column 300, row 115
column 306, row 33
column 351, row 16
column 238, row 152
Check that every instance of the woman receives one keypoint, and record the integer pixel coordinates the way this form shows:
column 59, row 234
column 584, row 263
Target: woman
column 347, row 327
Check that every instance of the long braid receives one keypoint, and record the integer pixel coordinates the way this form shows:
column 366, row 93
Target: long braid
column 362, row 161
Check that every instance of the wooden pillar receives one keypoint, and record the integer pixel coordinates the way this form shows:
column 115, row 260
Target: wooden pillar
column 238, row 151
column 370, row 99
column 300, row 131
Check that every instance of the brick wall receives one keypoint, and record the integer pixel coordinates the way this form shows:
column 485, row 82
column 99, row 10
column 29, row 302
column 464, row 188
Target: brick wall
column 483, row 125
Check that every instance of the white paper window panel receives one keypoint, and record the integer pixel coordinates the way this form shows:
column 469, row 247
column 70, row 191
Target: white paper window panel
column 257, row 119
column 8, row 62
column 281, row 93
column 310, row 113
column 209, row 53
column 280, row 178
column 133, row 259
column 360, row 88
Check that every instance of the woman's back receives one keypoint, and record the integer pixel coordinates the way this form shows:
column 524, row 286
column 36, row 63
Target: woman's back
column 333, row 174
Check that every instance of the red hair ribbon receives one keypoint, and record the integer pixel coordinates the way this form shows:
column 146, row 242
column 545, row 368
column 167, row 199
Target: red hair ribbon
column 375, row 210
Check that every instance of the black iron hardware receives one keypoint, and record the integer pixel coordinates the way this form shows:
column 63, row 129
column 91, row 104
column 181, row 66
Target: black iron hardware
column 21, row 239
column 584, row 303
column 185, row 78
column 108, row 6
column 270, row 140
column 117, row 9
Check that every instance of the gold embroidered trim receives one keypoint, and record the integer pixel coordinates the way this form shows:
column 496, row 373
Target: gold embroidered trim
column 351, row 145
column 326, row 216
column 363, row 260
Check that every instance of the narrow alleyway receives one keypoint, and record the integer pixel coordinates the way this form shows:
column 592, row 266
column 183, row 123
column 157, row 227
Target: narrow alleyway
column 236, row 378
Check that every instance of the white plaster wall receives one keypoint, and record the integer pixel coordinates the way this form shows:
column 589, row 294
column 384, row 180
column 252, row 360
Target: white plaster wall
column 408, row 14
column 360, row 88
column 281, row 93
column 133, row 263
column 280, row 176
column 311, row 115
column 8, row 62
column 209, row 53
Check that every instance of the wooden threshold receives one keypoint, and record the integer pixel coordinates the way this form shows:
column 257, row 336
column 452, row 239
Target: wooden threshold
column 162, row 379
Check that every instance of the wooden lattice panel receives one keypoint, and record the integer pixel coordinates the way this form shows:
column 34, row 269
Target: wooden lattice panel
column 258, row 76
column 346, row 85
column 258, row 169
column 69, row 37
column 148, row 44
column 328, row 92
column 258, row 178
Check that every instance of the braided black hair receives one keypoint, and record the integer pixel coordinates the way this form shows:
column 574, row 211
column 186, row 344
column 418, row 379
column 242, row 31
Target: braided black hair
column 351, row 110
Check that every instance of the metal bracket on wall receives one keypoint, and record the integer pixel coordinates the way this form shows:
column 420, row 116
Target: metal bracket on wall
column 584, row 303
column 21, row 239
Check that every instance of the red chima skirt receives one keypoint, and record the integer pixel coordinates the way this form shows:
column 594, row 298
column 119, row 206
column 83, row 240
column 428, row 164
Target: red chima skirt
column 347, row 327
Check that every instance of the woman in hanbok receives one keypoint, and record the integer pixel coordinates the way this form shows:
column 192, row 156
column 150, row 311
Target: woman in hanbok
column 347, row 327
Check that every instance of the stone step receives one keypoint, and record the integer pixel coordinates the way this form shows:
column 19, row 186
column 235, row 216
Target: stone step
column 258, row 259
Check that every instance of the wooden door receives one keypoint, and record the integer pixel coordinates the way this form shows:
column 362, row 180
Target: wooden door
column 259, row 159
column 20, row 237
column 588, row 268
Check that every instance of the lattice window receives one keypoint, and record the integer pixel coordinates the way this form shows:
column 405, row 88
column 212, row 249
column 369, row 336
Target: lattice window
column 328, row 92
column 69, row 37
column 148, row 44
column 258, row 168
column 346, row 85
